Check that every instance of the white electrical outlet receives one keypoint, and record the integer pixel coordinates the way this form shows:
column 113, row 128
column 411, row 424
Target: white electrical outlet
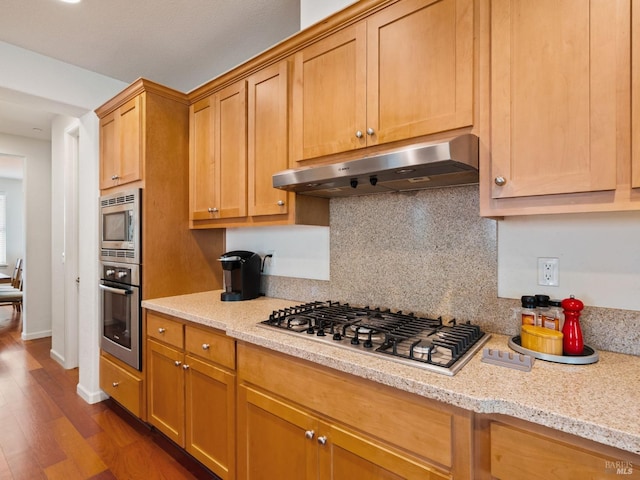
column 548, row 271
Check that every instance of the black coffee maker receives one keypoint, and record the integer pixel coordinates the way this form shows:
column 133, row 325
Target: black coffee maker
column 241, row 271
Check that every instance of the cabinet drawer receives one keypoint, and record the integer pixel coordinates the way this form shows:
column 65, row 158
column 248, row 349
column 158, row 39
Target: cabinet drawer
column 212, row 346
column 121, row 385
column 520, row 455
column 164, row 329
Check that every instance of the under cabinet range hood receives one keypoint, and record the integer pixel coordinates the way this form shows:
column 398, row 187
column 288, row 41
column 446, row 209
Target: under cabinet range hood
column 426, row 165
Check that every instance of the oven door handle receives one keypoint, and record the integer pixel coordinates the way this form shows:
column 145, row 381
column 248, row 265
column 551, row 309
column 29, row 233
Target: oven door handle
column 119, row 291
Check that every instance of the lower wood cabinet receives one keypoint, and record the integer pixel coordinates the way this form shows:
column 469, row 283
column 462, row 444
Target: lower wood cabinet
column 288, row 442
column 512, row 449
column 191, row 396
column 123, row 384
column 299, row 420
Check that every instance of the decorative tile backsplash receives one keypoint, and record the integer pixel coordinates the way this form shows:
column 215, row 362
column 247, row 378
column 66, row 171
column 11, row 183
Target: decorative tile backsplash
column 430, row 252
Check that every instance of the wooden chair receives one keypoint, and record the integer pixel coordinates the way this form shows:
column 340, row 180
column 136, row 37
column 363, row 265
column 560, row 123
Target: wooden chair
column 16, row 277
column 11, row 293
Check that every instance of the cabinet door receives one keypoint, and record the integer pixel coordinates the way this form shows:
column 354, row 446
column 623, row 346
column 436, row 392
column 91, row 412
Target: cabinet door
column 230, row 151
column 329, row 95
column 521, row 455
column 201, row 159
column 121, row 385
column 420, row 69
column 272, row 439
column 554, row 66
column 210, row 419
column 267, row 142
column 109, row 148
column 635, row 94
column 347, row 455
column 130, row 141
column 165, row 394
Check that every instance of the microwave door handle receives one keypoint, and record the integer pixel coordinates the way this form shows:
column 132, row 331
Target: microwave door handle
column 118, row 291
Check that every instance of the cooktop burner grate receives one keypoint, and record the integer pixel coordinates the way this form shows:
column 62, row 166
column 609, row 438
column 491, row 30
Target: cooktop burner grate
column 404, row 337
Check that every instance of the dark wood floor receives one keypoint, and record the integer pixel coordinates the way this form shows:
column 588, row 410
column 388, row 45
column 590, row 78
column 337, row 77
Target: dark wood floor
column 48, row 431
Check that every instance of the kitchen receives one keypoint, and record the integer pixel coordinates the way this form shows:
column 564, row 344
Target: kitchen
column 472, row 237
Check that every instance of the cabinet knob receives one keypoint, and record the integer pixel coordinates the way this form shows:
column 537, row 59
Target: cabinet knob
column 359, row 134
column 177, row 363
column 162, row 330
column 370, row 131
column 500, row 181
column 205, row 346
column 309, row 434
column 185, row 367
column 115, row 177
column 280, row 203
column 115, row 384
column 322, row 440
column 212, row 210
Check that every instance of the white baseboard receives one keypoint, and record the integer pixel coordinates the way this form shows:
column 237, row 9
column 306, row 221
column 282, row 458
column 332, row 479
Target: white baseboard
column 91, row 397
column 36, row 335
column 57, row 357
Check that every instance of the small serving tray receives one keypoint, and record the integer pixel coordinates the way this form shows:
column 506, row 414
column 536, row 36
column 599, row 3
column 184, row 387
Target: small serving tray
column 589, row 355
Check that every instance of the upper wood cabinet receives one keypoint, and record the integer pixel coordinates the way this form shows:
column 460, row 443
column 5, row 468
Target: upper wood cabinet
column 144, row 139
column 218, row 159
column 555, row 107
column 404, row 72
column 239, row 139
column 121, row 144
column 267, row 146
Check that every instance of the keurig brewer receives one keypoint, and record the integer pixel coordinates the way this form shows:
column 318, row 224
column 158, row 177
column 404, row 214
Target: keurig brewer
column 241, row 271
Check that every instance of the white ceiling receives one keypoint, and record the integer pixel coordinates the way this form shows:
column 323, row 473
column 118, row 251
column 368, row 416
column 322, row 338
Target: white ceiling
column 178, row 43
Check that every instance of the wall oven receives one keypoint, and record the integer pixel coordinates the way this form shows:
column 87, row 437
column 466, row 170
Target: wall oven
column 120, row 311
column 120, row 227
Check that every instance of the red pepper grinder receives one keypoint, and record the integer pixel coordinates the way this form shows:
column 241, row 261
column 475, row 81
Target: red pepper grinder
column 572, row 343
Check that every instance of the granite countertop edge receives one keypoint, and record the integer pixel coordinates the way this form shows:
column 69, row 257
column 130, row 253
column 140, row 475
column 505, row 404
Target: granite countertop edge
column 573, row 399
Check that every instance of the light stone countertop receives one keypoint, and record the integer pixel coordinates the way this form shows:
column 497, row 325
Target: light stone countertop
column 600, row 401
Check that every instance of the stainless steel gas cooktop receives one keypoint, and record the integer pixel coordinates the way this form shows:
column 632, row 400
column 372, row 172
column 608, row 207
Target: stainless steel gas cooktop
column 419, row 341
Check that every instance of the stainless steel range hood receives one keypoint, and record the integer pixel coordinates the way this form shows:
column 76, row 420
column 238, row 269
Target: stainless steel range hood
column 427, row 165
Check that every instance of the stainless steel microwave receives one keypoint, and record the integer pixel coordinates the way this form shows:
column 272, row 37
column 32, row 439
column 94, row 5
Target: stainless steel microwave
column 120, row 220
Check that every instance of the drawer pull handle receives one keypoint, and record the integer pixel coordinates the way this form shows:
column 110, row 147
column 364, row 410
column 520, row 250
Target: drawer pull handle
column 115, row 384
column 162, row 330
column 309, row 434
column 322, row 440
column 177, row 363
column 185, row 367
column 206, row 346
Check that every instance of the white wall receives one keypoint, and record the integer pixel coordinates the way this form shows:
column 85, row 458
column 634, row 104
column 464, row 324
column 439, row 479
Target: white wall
column 312, row 11
column 37, row 231
column 599, row 257
column 298, row 251
column 62, row 89
column 63, row 184
column 15, row 221
column 88, row 271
